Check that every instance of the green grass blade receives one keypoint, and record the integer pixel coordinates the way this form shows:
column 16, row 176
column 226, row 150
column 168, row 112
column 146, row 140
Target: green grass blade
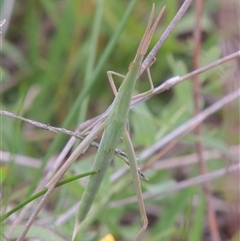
column 39, row 194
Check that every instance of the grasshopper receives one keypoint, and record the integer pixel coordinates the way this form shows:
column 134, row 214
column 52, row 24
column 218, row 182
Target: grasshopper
column 113, row 127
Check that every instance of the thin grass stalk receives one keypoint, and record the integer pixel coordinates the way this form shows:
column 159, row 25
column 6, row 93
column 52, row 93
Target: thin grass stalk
column 197, row 99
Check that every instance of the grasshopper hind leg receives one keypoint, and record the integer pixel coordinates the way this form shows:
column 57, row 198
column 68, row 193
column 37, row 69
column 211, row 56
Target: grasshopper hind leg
column 136, row 181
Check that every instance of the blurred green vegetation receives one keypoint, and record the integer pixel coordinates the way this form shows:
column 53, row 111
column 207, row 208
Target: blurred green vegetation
column 54, row 61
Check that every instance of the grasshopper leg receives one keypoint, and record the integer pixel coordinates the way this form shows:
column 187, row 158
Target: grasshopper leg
column 136, row 181
column 114, row 89
column 111, row 81
column 150, row 81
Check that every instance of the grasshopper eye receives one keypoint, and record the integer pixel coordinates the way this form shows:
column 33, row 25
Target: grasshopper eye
column 130, row 65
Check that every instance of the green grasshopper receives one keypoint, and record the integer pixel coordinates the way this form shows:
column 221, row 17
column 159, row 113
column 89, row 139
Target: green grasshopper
column 114, row 126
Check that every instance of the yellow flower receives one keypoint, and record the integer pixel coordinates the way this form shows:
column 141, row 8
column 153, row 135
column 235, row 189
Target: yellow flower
column 108, row 237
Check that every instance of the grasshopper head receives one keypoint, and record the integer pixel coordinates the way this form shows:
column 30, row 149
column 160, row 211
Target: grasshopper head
column 143, row 46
